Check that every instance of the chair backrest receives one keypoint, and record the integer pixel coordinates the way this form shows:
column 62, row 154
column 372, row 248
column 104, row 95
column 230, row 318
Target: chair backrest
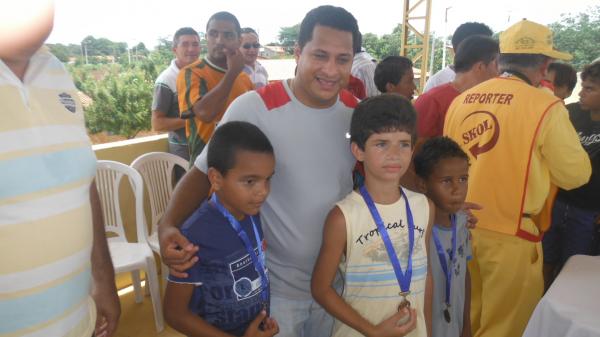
column 156, row 169
column 108, row 180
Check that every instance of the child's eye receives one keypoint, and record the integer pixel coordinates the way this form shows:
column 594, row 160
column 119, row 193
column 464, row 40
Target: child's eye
column 249, row 181
column 405, row 144
column 463, row 179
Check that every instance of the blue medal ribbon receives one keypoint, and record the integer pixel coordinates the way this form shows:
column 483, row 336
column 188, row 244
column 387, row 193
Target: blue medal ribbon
column 405, row 278
column 258, row 261
column 441, row 253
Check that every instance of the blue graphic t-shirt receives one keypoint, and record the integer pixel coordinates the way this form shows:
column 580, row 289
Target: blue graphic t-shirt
column 228, row 288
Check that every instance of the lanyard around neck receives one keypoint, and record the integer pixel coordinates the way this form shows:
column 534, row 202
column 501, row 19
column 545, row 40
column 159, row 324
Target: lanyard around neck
column 441, row 253
column 258, row 261
column 403, row 279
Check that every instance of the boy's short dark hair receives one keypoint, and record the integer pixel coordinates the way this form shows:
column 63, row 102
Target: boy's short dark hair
column 591, row 72
column 328, row 16
column 475, row 49
column 469, row 29
column 564, row 75
column 225, row 16
column 184, row 31
column 433, row 151
column 383, row 113
column 232, row 137
column 390, row 70
column 248, row 30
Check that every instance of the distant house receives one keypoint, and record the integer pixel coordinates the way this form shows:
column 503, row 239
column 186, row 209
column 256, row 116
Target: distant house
column 270, row 52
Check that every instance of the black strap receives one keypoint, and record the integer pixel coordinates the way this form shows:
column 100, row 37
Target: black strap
column 518, row 74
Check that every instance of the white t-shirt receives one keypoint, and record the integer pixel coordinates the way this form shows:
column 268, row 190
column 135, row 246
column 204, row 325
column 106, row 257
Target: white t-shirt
column 363, row 68
column 258, row 74
column 443, row 76
column 313, row 171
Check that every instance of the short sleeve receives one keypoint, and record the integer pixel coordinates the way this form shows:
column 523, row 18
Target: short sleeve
column 193, row 277
column 162, row 99
column 429, row 119
column 193, row 273
column 244, row 108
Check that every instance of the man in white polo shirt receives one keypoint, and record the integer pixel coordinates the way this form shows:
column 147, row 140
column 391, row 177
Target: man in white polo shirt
column 51, row 223
column 165, row 105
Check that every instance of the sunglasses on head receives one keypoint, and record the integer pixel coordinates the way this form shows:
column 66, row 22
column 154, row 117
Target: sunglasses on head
column 251, row 45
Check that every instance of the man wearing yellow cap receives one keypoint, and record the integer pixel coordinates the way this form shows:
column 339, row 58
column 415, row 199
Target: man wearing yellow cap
column 520, row 141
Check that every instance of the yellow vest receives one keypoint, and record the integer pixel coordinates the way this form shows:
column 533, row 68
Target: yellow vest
column 496, row 123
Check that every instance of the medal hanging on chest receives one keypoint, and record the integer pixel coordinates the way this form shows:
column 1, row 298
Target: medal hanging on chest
column 403, row 278
column 447, row 265
column 258, row 261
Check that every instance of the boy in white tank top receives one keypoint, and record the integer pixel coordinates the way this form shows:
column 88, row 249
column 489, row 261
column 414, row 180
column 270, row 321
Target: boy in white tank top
column 377, row 236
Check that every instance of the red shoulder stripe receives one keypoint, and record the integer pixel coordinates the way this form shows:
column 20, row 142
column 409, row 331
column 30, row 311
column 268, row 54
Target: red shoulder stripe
column 273, row 95
column 348, row 99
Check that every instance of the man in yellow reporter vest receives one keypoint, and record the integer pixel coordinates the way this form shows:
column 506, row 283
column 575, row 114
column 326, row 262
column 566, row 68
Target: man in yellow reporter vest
column 519, row 140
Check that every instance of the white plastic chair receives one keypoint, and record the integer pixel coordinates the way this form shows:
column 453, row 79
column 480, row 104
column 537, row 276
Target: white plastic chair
column 128, row 256
column 157, row 169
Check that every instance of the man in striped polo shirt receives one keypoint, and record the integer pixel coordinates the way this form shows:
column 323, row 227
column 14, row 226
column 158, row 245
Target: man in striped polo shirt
column 50, row 216
column 207, row 86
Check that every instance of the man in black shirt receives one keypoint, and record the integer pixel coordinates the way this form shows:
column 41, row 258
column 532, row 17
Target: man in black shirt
column 576, row 213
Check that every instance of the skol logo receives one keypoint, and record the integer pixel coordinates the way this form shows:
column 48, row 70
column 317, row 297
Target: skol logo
column 482, row 127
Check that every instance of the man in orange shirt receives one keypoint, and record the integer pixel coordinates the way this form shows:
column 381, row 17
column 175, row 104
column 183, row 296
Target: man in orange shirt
column 207, row 86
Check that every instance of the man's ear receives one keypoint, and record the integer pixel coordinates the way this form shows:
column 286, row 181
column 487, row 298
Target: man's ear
column 389, row 87
column 544, row 67
column 479, row 67
column 297, row 51
column 215, row 177
column 358, row 153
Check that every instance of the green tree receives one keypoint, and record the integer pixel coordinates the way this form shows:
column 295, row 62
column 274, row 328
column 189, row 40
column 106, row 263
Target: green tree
column 121, row 103
column 162, row 53
column 288, row 36
column 579, row 34
column 60, row 51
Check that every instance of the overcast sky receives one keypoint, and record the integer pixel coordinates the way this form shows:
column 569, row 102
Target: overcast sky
column 135, row 21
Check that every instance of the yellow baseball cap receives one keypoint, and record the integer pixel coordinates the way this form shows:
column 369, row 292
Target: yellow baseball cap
column 527, row 37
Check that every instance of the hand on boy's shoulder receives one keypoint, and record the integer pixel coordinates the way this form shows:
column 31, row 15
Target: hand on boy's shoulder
column 176, row 251
column 269, row 326
column 468, row 208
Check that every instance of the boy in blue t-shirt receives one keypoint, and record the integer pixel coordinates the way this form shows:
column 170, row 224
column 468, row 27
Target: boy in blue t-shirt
column 226, row 292
column 443, row 169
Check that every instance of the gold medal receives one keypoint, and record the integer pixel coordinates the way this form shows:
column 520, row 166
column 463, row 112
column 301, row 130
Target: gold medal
column 447, row 315
column 404, row 303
